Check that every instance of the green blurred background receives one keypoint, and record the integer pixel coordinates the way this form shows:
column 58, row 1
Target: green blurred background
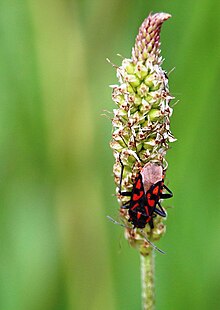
column 57, row 249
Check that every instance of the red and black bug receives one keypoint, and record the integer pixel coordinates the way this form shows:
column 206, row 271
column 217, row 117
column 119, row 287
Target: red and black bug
column 147, row 191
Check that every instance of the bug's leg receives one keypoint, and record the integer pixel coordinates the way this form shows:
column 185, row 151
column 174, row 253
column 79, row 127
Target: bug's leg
column 160, row 211
column 151, row 223
column 122, row 170
column 125, row 206
column 167, row 195
column 151, row 243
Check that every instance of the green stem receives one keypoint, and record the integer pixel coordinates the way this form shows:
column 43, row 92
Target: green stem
column 147, row 280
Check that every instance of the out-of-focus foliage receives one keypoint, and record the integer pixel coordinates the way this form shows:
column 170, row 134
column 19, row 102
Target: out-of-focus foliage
column 58, row 251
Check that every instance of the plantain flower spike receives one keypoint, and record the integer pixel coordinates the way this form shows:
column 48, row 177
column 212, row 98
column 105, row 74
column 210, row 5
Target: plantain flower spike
column 141, row 121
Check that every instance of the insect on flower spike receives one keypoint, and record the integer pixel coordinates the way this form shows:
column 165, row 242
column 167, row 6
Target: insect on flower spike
column 141, row 134
column 143, row 233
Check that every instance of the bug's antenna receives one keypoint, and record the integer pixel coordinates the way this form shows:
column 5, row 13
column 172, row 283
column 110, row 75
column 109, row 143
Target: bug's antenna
column 151, row 243
column 141, row 230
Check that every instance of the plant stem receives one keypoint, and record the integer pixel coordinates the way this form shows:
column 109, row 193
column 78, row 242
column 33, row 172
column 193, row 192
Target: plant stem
column 147, row 280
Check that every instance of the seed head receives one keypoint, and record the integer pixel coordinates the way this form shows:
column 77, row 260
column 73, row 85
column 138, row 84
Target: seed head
column 141, row 121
